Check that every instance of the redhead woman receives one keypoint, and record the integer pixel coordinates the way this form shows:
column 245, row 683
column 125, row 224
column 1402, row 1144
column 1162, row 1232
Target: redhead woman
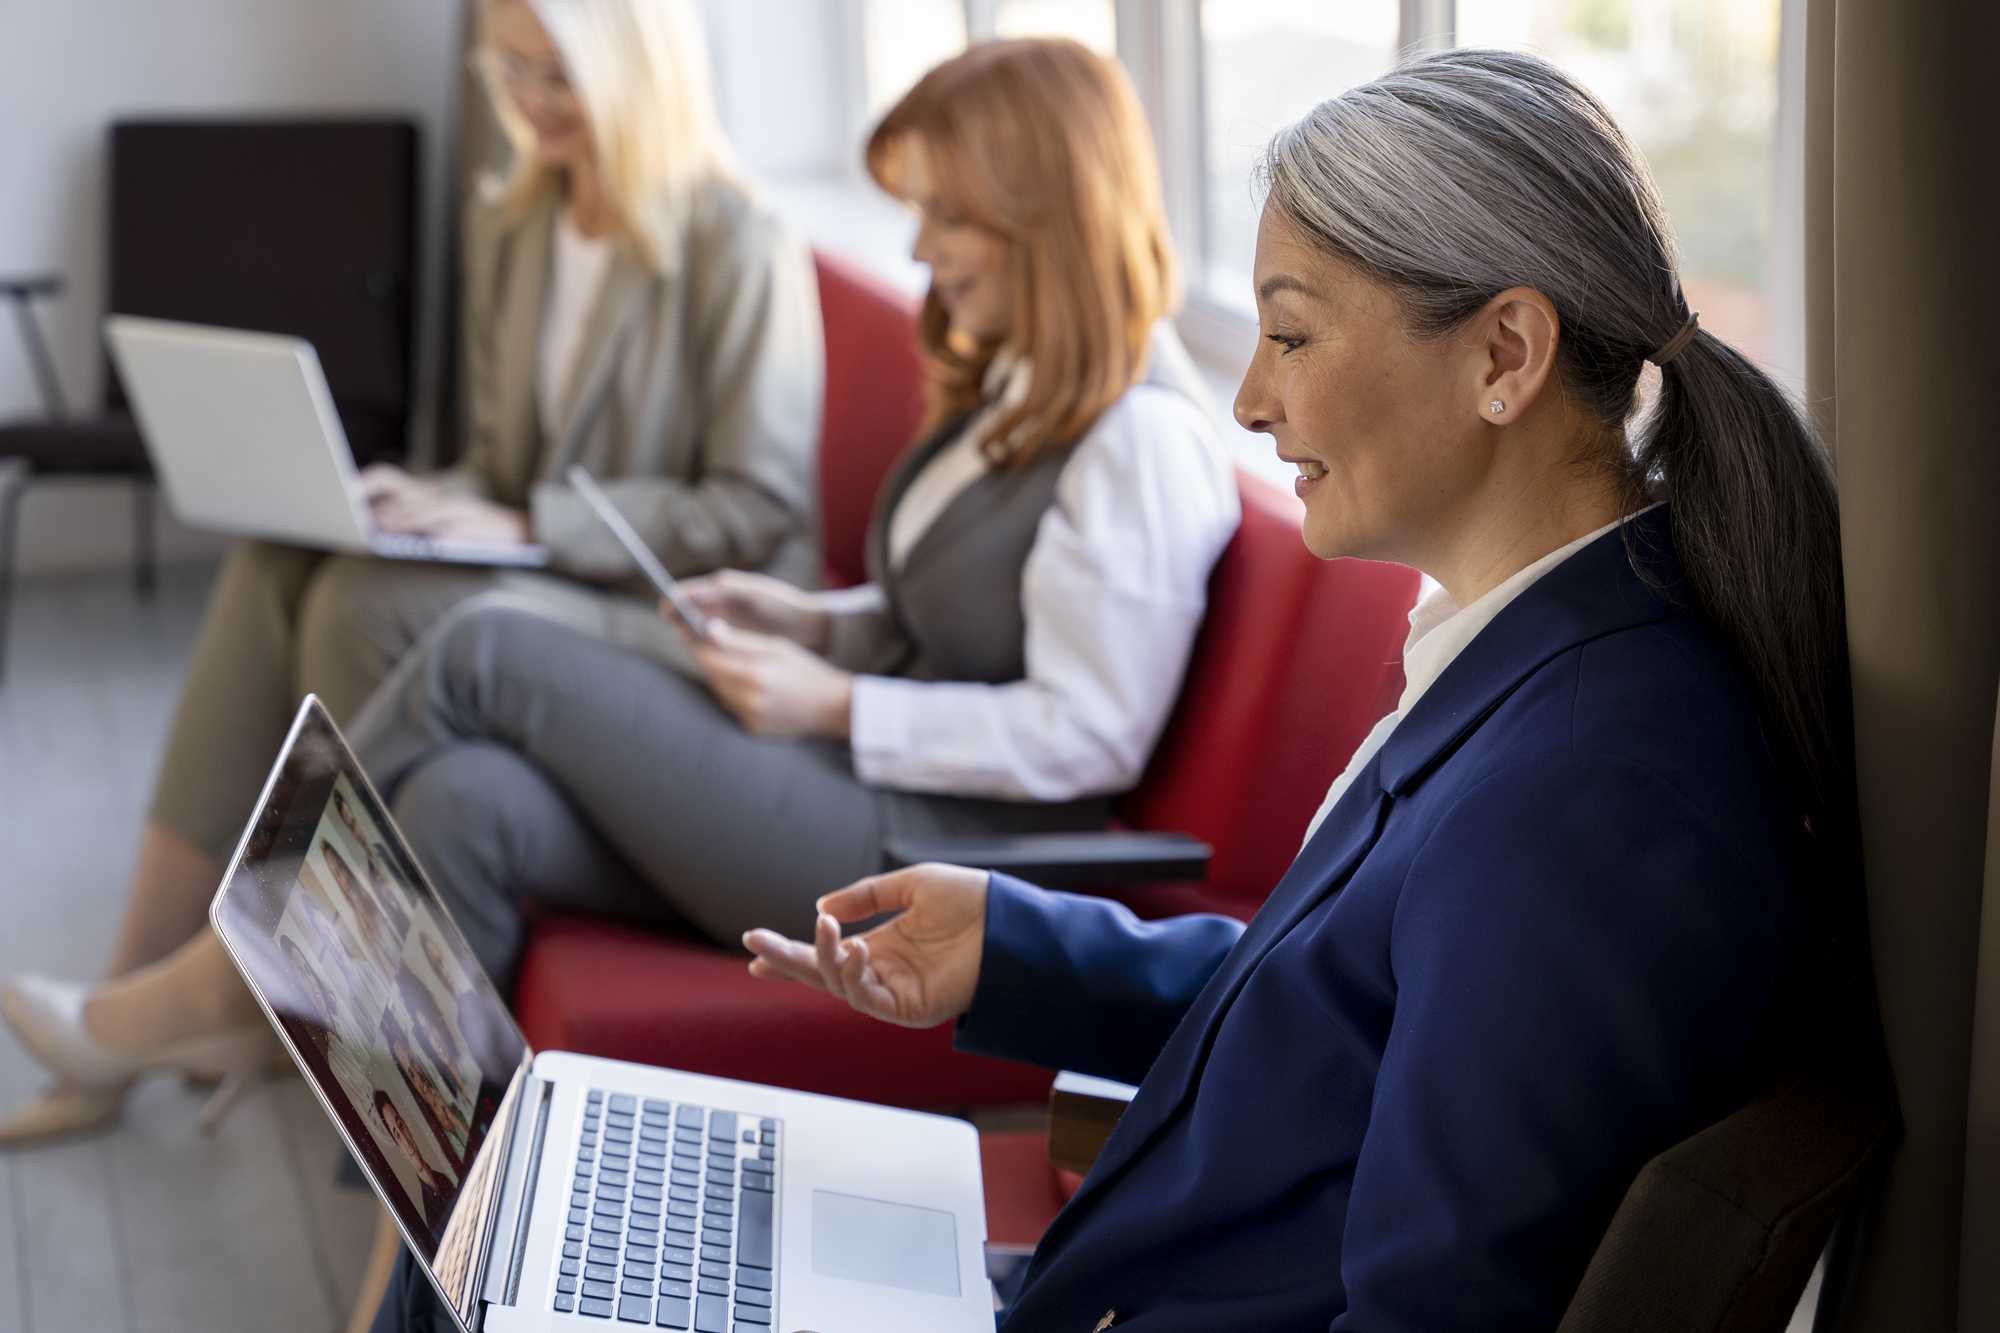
column 630, row 306
column 1040, row 559
column 1551, row 919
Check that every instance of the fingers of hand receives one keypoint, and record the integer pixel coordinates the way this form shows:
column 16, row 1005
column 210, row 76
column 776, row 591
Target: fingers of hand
column 378, row 479
column 874, row 994
column 829, row 953
column 868, row 897
column 857, row 978
column 413, row 511
column 778, row 958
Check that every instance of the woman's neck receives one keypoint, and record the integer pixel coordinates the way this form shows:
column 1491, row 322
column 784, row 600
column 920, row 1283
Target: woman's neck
column 1524, row 511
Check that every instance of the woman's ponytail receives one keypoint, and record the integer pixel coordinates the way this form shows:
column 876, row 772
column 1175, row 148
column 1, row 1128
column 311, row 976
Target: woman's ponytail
column 1757, row 531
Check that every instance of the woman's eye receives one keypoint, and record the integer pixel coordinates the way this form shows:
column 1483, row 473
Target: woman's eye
column 1287, row 341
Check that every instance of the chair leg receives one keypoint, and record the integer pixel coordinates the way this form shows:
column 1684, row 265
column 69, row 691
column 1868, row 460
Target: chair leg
column 13, row 485
column 145, row 559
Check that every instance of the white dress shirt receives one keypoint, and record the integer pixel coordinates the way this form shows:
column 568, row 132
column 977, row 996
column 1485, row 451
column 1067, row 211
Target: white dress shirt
column 576, row 270
column 1112, row 595
column 1439, row 631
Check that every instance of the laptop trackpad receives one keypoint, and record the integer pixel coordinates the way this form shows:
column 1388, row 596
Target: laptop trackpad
column 894, row 1244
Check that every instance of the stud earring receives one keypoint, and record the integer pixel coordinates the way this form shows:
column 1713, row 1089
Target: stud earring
column 1496, row 407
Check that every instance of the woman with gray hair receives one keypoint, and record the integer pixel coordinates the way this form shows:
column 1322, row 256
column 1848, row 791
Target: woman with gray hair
column 1558, row 912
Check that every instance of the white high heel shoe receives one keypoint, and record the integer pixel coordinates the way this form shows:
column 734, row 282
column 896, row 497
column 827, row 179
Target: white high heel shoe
column 47, row 1015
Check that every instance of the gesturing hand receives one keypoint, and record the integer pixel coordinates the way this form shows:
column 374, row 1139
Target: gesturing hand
column 917, row 969
column 772, row 685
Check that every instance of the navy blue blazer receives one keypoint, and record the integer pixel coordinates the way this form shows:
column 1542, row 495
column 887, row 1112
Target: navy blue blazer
column 1540, row 940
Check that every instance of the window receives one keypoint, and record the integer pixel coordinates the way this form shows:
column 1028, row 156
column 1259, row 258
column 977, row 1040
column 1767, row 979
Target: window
column 1694, row 83
column 1092, row 22
column 1262, row 67
column 903, row 39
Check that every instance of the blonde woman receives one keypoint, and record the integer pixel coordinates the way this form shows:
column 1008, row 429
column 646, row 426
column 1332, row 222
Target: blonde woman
column 1042, row 563
column 630, row 306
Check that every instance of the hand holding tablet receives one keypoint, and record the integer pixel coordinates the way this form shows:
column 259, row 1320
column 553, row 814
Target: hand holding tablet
column 642, row 555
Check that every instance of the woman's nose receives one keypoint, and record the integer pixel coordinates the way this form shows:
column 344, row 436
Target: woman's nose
column 1252, row 410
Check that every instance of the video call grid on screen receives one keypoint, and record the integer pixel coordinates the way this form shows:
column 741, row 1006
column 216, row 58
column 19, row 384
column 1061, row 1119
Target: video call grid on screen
column 377, row 991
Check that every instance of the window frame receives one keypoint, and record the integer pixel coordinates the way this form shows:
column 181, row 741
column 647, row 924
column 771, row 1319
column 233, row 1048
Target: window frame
column 1160, row 44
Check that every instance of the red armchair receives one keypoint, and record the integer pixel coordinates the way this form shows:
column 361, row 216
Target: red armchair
column 1296, row 661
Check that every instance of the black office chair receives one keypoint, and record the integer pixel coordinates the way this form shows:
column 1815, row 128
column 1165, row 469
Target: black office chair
column 306, row 227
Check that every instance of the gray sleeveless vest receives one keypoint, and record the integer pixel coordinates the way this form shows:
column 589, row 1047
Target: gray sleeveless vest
column 955, row 602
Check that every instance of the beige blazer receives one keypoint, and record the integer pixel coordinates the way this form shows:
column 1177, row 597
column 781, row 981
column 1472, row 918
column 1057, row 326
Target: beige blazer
column 696, row 397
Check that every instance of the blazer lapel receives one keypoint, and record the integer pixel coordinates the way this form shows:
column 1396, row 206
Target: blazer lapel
column 1322, row 867
column 1595, row 592
column 614, row 314
column 523, row 260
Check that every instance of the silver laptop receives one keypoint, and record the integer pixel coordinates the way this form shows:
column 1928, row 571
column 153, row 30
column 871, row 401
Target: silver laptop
column 558, row 1191
column 243, row 434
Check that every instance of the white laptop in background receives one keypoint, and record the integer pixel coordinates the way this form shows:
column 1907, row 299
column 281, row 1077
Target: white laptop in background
column 243, row 434
column 555, row 1191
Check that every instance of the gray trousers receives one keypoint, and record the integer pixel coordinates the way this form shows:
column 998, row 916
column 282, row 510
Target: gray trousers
column 283, row 622
column 525, row 760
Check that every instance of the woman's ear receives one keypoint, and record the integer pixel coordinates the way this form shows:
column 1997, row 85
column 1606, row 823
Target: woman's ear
column 1513, row 353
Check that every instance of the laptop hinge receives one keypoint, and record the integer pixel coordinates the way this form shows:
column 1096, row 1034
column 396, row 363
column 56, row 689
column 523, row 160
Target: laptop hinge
column 517, row 1193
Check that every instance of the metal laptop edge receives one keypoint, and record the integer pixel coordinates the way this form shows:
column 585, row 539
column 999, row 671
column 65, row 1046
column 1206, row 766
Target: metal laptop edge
column 477, row 1295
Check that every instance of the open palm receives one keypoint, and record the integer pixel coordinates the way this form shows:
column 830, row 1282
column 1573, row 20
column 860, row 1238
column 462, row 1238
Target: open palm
column 917, row 969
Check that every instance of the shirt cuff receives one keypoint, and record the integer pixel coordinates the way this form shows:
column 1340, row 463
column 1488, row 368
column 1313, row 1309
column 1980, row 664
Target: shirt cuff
column 879, row 725
column 863, row 599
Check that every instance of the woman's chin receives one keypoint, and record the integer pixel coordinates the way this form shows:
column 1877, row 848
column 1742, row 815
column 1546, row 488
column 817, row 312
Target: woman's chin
column 1323, row 539
column 559, row 152
column 1332, row 541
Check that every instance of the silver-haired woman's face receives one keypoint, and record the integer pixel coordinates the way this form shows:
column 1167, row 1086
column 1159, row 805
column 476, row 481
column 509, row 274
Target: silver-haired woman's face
column 1392, row 436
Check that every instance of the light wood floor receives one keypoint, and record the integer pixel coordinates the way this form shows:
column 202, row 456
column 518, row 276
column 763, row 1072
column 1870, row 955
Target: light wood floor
column 151, row 1226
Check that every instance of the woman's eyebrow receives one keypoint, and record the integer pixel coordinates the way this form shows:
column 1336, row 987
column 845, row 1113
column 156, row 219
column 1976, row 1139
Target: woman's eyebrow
column 1282, row 282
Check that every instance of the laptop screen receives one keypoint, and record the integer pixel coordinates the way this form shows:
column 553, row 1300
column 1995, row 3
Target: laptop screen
column 385, row 1007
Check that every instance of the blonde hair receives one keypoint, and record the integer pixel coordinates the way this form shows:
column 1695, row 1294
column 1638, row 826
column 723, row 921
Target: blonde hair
column 1042, row 142
column 640, row 72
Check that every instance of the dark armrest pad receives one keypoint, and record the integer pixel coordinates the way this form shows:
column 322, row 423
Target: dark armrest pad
column 22, row 286
column 1066, row 860
column 1082, row 1113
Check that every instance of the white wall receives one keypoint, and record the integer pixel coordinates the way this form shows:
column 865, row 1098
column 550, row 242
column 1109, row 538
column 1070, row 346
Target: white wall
column 782, row 71
column 70, row 67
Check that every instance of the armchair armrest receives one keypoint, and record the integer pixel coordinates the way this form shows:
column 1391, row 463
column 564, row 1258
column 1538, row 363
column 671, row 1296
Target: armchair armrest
column 1082, row 1113
column 22, row 289
column 24, row 286
column 1067, row 860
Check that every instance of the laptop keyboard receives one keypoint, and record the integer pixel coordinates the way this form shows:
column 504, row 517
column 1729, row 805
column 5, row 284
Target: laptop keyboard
column 408, row 546
column 672, row 1217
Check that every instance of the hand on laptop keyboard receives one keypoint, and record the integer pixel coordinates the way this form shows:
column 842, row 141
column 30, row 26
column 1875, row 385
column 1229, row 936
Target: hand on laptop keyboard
column 401, row 503
column 918, row 969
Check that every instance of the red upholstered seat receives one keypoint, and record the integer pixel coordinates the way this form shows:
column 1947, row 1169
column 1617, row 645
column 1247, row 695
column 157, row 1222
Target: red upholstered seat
column 606, row 989
column 1024, row 1190
column 874, row 400
column 1296, row 661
